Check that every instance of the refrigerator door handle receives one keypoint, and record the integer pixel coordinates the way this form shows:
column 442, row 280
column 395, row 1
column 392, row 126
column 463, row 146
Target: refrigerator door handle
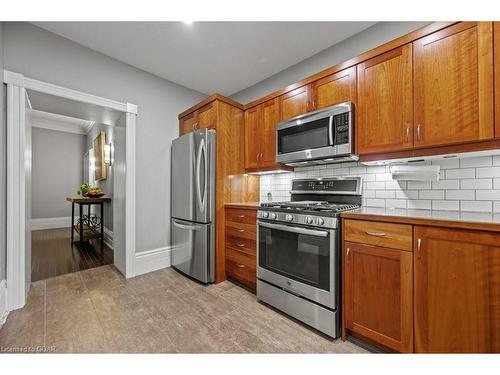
column 202, row 150
column 186, row 226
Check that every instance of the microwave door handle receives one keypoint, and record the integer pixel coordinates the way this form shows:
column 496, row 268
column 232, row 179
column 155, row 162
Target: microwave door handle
column 330, row 131
column 286, row 228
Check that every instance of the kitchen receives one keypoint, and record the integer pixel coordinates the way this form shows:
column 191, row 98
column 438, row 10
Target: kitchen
column 352, row 209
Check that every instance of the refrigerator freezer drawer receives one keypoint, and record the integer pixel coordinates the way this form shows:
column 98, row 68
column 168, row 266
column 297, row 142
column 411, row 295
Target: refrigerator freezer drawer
column 193, row 249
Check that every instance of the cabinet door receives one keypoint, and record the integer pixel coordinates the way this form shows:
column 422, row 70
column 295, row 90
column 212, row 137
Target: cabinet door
column 385, row 104
column 457, row 291
column 207, row 116
column 453, row 83
column 268, row 133
column 253, row 123
column 496, row 54
column 187, row 123
column 336, row 88
column 294, row 103
column 378, row 295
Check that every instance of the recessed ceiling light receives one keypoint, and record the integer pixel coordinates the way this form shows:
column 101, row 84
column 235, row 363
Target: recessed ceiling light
column 187, row 22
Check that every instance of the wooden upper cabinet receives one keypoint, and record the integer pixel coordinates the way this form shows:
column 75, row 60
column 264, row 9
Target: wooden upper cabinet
column 496, row 54
column 187, row 123
column 385, row 108
column 333, row 89
column 294, row 103
column 457, row 291
column 207, row 116
column 378, row 294
column 453, row 85
column 270, row 117
column 253, row 123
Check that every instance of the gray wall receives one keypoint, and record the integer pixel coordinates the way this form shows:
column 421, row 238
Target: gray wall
column 370, row 38
column 48, row 57
column 57, row 171
column 3, row 154
column 107, row 184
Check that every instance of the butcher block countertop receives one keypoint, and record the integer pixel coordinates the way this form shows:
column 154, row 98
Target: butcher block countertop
column 244, row 205
column 449, row 219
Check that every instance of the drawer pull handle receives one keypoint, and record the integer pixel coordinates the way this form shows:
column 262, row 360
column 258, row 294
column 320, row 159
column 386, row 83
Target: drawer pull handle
column 241, row 230
column 240, row 265
column 241, row 216
column 240, row 244
column 376, row 234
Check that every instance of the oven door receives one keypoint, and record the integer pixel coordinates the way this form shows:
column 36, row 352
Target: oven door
column 300, row 260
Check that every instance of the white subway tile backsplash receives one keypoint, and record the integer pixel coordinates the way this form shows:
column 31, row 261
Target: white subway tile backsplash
column 431, row 194
column 484, row 206
column 488, row 172
column 487, row 195
column 466, row 184
column 446, row 205
column 476, row 183
column 483, row 161
column 460, row 173
column 459, row 194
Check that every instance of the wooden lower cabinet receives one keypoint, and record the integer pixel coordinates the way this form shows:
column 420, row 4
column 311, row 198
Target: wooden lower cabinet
column 457, row 291
column 378, row 295
column 241, row 245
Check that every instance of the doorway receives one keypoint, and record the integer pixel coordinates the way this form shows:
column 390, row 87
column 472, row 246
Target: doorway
column 25, row 95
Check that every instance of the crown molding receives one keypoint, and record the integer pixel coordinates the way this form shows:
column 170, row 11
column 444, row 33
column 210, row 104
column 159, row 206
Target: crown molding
column 51, row 121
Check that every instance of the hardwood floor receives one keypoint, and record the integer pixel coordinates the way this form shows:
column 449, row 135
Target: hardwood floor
column 99, row 311
column 52, row 254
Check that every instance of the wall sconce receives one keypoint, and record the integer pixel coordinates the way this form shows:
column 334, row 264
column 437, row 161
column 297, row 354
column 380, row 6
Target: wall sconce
column 108, row 150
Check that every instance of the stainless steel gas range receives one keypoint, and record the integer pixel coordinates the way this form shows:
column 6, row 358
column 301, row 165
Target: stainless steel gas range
column 298, row 250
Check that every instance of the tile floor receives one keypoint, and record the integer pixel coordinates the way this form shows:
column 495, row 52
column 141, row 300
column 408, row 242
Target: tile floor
column 97, row 310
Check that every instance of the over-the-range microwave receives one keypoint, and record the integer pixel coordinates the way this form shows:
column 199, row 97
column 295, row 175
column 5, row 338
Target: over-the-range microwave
column 320, row 137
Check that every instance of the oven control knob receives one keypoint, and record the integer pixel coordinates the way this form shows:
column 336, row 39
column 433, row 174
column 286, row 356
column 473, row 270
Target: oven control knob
column 288, row 217
column 309, row 220
column 265, row 215
column 320, row 221
column 272, row 216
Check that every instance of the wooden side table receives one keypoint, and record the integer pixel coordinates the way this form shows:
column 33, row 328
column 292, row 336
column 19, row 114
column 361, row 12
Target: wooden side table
column 84, row 227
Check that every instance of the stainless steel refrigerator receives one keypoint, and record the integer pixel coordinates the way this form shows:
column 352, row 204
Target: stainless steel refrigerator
column 193, row 204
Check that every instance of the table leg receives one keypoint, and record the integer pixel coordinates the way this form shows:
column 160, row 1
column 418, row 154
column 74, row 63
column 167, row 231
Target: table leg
column 72, row 222
column 81, row 223
column 102, row 228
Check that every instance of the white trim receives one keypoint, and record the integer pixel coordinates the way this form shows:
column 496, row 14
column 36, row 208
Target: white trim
column 51, row 223
column 130, row 194
column 16, row 196
column 49, row 88
column 152, row 260
column 51, row 121
column 108, row 237
column 3, row 302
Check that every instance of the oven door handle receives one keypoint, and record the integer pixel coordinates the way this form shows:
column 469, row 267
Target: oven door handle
column 286, row 228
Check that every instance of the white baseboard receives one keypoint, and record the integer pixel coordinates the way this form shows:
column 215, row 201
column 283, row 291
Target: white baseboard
column 108, row 237
column 51, row 223
column 152, row 260
column 3, row 302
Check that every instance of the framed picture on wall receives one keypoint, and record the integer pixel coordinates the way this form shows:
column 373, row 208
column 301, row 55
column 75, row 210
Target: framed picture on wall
column 100, row 166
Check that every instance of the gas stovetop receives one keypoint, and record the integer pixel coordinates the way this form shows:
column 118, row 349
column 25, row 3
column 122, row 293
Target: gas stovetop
column 320, row 206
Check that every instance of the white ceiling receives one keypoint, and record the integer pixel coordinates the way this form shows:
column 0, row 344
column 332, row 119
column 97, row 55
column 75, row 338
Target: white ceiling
column 209, row 57
column 71, row 108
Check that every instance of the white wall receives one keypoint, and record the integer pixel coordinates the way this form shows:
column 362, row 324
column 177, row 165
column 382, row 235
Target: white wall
column 45, row 56
column 57, row 172
column 3, row 151
column 466, row 184
column 366, row 40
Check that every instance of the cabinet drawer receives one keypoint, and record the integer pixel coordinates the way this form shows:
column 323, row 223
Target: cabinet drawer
column 241, row 267
column 241, row 216
column 241, row 230
column 396, row 236
column 241, row 244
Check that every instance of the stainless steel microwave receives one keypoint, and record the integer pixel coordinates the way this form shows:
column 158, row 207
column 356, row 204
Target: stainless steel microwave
column 320, row 137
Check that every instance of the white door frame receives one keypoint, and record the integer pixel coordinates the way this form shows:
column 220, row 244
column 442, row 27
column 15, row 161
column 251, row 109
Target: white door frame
column 16, row 184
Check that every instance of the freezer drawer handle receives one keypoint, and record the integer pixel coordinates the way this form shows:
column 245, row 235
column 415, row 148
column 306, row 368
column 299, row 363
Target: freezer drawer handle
column 188, row 227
